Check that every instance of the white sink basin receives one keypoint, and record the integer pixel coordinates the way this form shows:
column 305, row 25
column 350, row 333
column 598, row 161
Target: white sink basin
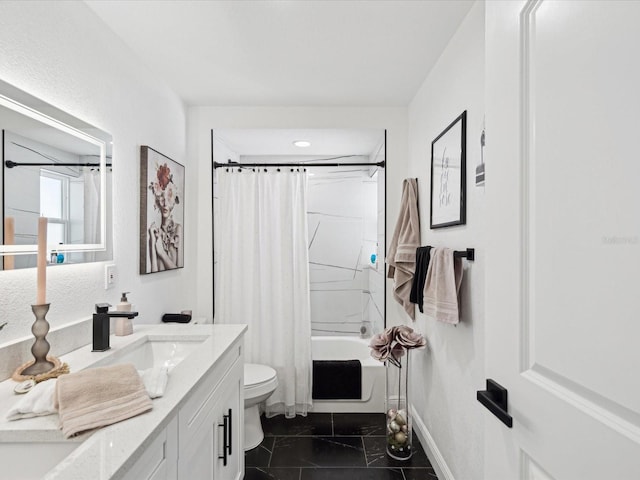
column 152, row 353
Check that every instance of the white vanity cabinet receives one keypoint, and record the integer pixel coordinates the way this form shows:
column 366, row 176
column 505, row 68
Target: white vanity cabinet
column 160, row 459
column 205, row 439
column 195, row 431
column 211, row 424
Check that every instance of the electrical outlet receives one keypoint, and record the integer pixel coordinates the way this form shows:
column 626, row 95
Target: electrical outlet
column 109, row 276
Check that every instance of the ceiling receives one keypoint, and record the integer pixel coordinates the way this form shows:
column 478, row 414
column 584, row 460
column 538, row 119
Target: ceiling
column 287, row 53
column 324, row 142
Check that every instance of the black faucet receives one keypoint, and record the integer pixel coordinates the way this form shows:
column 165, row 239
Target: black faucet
column 101, row 325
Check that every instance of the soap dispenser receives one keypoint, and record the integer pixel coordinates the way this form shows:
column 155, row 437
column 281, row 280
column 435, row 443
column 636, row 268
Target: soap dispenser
column 124, row 326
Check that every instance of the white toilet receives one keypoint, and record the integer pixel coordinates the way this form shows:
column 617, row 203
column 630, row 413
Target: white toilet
column 259, row 383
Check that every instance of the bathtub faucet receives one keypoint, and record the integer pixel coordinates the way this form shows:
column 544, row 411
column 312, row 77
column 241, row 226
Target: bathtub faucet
column 101, row 325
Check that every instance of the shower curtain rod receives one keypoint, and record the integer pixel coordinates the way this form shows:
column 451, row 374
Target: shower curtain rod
column 249, row 165
column 11, row 164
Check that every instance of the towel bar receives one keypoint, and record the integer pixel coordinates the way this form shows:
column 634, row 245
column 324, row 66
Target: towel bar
column 469, row 254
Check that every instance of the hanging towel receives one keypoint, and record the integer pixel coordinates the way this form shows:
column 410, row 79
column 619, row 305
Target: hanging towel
column 423, row 255
column 442, row 285
column 402, row 250
column 98, row 397
column 37, row 402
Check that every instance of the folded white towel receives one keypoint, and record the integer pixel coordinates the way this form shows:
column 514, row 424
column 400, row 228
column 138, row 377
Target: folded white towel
column 155, row 380
column 35, row 403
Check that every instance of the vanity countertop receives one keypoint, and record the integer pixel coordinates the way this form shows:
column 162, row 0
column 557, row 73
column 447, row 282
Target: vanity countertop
column 108, row 453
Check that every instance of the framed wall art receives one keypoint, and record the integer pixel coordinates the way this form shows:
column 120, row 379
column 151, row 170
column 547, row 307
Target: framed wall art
column 448, row 175
column 161, row 212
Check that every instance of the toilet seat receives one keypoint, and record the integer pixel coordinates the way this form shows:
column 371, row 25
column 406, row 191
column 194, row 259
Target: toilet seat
column 258, row 380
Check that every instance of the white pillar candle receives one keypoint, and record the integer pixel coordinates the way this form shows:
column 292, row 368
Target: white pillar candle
column 42, row 261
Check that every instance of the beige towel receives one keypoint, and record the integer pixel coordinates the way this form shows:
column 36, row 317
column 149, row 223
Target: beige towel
column 98, row 397
column 402, row 250
column 442, row 285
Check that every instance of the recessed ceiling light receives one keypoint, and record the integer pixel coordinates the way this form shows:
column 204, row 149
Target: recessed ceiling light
column 302, row 143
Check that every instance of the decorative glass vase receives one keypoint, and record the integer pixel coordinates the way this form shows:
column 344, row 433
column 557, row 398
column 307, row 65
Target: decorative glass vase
column 399, row 431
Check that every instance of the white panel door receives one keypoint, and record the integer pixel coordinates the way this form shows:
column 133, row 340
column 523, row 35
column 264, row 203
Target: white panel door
column 563, row 263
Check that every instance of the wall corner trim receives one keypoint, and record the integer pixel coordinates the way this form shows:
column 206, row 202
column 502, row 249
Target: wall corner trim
column 430, row 447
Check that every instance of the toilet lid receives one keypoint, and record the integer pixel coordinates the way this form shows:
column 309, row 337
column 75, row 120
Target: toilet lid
column 256, row 374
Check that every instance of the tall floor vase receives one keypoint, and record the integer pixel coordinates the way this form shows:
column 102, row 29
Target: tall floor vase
column 399, row 431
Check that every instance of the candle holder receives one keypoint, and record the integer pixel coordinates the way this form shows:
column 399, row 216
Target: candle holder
column 40, row 347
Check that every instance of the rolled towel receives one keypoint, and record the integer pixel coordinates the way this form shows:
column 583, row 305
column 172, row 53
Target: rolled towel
column 155, row 380
column 39, row 401
column 98, row 397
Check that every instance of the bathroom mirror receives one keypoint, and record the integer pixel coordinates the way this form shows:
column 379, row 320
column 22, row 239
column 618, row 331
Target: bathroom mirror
column 57, row 166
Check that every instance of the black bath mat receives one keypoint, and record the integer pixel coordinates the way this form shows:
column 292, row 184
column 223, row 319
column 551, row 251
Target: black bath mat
column 337, row 380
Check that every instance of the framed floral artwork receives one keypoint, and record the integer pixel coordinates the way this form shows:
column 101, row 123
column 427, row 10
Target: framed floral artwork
column 448, row 175
column 161, row 212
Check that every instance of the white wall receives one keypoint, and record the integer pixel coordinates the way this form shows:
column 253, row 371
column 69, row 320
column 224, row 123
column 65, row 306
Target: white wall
column 63, row 54
column 202, row 119
column 447, row 375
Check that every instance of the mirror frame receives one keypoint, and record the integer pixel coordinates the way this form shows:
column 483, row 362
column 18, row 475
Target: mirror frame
column 25, row 104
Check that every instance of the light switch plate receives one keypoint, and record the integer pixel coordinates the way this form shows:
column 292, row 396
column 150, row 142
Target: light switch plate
column 109, row 276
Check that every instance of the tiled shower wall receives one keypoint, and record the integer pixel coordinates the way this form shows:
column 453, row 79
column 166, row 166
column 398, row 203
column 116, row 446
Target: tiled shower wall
column 342, row 208
column 347, row 288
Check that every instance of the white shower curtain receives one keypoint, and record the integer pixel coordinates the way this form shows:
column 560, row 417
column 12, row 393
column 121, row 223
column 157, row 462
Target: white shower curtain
column 263, row 276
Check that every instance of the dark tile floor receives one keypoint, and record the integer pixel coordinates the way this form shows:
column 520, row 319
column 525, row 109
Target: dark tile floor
column 331, row 446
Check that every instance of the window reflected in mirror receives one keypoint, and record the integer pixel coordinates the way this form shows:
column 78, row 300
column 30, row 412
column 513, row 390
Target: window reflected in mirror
column 55, row 170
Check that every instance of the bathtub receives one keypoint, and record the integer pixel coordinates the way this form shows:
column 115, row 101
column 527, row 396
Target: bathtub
column 373, row 374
